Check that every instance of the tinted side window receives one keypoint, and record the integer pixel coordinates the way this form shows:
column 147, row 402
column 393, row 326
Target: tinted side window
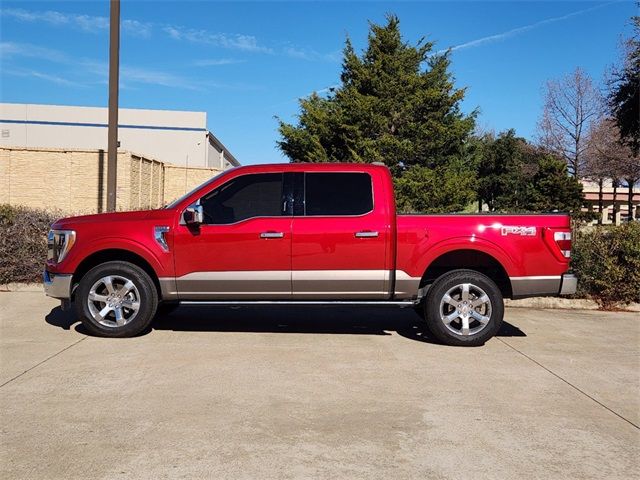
column 338, row 193
column 248, row 196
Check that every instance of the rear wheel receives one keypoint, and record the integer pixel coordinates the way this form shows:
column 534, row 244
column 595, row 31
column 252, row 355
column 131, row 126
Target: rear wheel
column 116, row 299
column 464, row 308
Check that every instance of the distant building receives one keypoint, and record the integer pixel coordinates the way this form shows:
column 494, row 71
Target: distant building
column 615, row 203
column 180, row 138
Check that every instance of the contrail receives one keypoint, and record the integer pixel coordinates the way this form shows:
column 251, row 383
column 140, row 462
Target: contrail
column 517, row 31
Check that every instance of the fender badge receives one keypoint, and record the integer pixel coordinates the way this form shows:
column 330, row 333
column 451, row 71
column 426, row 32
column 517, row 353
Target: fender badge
column 523, row 231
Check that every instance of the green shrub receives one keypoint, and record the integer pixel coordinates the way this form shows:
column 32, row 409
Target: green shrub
column 23, row 243
column 607, row 262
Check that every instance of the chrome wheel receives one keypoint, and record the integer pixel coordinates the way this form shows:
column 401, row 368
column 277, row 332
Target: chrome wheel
column 113, row 301
column 465, row 309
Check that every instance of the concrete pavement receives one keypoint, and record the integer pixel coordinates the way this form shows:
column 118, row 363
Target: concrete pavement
column 317, row 393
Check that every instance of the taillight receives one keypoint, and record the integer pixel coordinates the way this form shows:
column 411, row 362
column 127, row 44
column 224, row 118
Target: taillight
column 558, row 240
column 563, row 240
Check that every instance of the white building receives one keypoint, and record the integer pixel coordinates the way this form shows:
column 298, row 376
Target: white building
column 180, row 138
column 615, row 202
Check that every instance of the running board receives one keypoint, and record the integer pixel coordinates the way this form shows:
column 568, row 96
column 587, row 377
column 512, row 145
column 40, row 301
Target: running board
column 397, row 303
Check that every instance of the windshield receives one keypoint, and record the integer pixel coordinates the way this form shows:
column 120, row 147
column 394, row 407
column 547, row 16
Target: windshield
column 188, row 194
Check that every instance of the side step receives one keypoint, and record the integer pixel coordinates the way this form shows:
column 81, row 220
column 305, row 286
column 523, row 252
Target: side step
column 370, row 303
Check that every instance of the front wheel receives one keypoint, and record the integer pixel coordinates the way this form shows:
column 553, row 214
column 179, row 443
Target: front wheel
column 464, row 308
column 116, row 299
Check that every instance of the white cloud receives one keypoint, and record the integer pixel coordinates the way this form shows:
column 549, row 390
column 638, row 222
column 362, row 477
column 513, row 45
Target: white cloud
column 310, row 55
column 13, row 49
column 44, row 76
column 137, row 74
column 87, row 23
column 136, row 28
column 235, row 41
column 517, row 31
column 157, row 77
column 214, row 62
column 54, row 18
column 232, row 41
column 97, row 72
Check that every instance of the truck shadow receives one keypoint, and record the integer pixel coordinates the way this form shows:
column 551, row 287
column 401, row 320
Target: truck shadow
column 279, row 319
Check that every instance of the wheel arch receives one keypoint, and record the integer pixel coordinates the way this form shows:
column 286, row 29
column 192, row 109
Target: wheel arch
column 110, row 255
column 468, row 259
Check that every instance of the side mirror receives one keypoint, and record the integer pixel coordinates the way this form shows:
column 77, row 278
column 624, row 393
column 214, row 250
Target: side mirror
column 193, row 215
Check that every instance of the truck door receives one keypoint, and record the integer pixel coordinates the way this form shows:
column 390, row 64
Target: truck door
column 340, row 238
column 243, row 248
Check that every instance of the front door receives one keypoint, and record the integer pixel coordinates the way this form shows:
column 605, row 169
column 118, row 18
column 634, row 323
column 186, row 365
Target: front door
column 340, row 238
column 243, row 248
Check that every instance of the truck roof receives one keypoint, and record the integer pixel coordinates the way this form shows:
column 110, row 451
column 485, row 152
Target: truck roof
column 306, row 167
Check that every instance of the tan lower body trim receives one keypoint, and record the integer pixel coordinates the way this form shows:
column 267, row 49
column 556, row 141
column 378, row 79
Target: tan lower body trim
column 406, row 286
column 284, row 284
column 340, row 284
column 271, row 284
column 535, row 285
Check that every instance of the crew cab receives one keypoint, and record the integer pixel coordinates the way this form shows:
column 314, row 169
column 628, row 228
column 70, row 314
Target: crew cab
column 305, row 234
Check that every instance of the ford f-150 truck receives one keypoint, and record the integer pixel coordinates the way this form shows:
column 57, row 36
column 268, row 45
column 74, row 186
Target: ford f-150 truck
column 305, row 234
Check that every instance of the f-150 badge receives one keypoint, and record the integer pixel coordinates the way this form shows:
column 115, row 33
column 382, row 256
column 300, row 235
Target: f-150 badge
column 523, row 231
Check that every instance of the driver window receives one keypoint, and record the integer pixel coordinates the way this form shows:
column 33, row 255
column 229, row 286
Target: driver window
column 248, row 196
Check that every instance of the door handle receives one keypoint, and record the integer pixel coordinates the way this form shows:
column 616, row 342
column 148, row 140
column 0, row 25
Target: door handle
column 272, row 235
column 366, row 234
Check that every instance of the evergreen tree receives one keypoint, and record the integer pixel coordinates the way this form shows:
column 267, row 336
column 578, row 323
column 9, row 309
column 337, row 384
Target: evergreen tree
column 397, row 104
column 514, row 176
column 551, row 187
column 501, row 180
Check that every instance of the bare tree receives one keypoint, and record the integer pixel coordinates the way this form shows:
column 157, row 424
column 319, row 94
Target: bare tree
column 607, row 156
column 572, row 104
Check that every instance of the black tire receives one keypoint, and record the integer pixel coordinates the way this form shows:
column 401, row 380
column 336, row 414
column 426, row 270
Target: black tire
column 439, row 308
column 137, row 307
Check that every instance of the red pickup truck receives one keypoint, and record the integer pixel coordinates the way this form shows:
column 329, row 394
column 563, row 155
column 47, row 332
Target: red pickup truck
column 305, row 234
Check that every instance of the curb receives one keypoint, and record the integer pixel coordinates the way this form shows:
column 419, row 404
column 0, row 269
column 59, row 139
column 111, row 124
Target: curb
column 21, row 287
column 557, row 303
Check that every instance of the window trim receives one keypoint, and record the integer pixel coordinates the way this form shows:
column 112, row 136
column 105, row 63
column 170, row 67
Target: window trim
column 304, row 196
column 282, row 199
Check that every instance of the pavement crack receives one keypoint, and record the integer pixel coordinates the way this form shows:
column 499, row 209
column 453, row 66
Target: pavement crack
column 43, row 361
column 569, row 383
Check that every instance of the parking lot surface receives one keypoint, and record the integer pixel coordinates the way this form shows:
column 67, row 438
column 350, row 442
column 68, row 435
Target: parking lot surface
column 261, row 393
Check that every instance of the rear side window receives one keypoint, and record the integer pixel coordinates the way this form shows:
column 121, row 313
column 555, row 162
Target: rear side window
column 248, row 196
column 338, row 194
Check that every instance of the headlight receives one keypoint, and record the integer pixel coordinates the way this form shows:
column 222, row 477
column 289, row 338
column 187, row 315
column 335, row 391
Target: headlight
column 59, row 242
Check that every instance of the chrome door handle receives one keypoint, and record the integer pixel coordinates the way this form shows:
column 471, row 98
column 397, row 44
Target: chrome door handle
column 271, row 235
column 366, row 234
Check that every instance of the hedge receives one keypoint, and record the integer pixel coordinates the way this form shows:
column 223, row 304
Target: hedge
column 607, row 262
column 606, row 259
column 23, row 243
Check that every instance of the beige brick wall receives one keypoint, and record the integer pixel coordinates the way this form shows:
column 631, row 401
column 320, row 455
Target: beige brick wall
column 180, row 180
column 5, row 184
column 75, row 181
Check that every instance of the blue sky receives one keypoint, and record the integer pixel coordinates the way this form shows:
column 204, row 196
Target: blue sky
column 244, row 63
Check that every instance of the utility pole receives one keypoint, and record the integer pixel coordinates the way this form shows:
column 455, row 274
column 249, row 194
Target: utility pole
column 114, row 74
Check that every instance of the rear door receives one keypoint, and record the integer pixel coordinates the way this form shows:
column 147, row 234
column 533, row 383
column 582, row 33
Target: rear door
column 340, row 238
